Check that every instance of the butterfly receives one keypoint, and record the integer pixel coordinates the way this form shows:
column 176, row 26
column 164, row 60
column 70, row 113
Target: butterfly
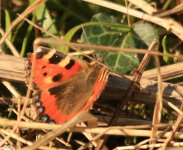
column 63, row 86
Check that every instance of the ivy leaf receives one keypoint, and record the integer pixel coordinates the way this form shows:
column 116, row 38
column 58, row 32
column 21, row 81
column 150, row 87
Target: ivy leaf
column 120, row 62
column 146, row 33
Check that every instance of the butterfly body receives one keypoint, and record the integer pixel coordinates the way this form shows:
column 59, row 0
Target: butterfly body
column 63, row 86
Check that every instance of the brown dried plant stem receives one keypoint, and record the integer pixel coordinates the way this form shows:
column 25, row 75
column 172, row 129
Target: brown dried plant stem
column 168, row 24
column 132, row 87
column 29, row 10
column 98, row 47
column 82, row 117
column 174, row 129
column 135, row 82
column 15, row 70
column 117, row 130
column 158, row 105
column 167, row 72
column 145, row 6
column 26, row 12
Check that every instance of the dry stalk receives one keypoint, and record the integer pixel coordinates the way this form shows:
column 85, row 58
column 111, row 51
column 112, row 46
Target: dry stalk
column 140, row 130
column 30, row 9
column 82, row 117
column 143, row 5
column 15, row 70
column 22, row 140
column 168, row 72
column 158, row 104
column 10, row 45
column 174, row 129
column 174, row 10
column 175, row 146
column 26, row 12
column 48, row 137
column 168, row 24
column 15, row 136
column 98, row 47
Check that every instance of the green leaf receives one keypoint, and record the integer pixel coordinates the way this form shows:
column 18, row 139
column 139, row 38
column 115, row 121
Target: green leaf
column 120, row 62
column 16, row 30
column 140, row 36
column 44, row 19
column 25, row 40
column 70, row 34
column 7, row 22
column 146, row 33
column 167, row 59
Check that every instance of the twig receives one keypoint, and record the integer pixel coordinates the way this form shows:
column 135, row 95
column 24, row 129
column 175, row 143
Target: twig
column 117, row 130
column 131, row 88
column 167, row 72
column 15, row 70
column 26, row 12
column 136, row 79
column 174, row 129
column 174, row 10
column 174, row 144
column 168, row 24
column 158, row 105
column 31, row 8
column 144, row 6
column 82, row 117
column 10, row 45
column 98, row 47
column 14, row 136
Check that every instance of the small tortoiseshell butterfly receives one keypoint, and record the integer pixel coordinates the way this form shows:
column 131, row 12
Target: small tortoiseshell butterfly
column 64, row 86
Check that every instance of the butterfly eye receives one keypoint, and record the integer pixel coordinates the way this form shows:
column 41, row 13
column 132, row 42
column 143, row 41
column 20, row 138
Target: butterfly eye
column 55, row 59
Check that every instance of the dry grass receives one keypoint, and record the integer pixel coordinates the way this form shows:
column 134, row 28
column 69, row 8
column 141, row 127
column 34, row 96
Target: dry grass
column 24, row 133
